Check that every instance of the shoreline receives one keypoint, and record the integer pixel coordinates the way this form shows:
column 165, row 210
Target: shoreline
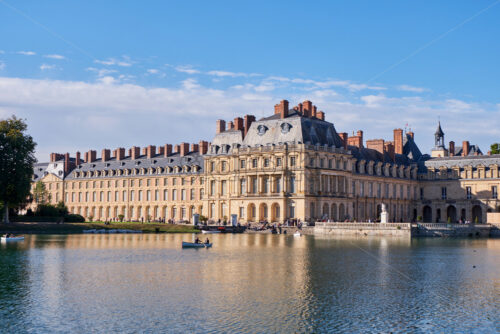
column 78, row 228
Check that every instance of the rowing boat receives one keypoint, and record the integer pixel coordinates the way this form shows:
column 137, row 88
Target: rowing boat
column 209, row 232
column 195, row 245
column 17, row 238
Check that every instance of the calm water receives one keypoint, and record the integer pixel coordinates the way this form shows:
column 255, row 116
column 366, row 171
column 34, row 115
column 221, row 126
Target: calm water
column 248, row 284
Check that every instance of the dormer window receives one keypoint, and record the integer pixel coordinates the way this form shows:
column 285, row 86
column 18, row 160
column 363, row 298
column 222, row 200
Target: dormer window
column 261, row 129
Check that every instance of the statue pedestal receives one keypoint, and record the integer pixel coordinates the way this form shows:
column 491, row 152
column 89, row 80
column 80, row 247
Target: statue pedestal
column 383, row 217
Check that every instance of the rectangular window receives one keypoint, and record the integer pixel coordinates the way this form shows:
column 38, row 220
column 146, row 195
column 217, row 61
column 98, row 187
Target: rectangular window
column 156, row 182
column 124, row 198
column 321, row 163
column 148, row 195
column 443, row 193
column 157, row 195
column 494, row 192
column 243, row 163
column 278, row 162
column 292, row 188
column 242, row 212
column 140, row 195
column 254, row 185
column 254, row 163
column 468, row 191
column 223, row 166
column 266, row 162
column 311, row 162
column 354, row 188
column 224, row 187
column 116, row 196
column 131, row 195
column 212, row 188
column 212, row 166
column 174, row 181
column 421, row 194
column 174, row 195
column 183, row 194
column 292, row 161
column 278, row 184
column 243, row 186
column 192, row 195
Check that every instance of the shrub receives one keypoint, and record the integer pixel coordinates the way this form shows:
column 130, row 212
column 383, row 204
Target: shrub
column 419, row 218
column 74, row 218
column 121, row 217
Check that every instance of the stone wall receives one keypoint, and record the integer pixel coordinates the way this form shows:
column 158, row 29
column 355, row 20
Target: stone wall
column 366, row 229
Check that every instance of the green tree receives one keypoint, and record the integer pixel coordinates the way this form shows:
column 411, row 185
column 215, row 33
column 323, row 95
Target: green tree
column 40, row 193
column 16, row 163
column 495, row 148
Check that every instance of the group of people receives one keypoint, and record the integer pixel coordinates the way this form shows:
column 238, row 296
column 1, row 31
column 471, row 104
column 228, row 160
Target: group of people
column 198, row 241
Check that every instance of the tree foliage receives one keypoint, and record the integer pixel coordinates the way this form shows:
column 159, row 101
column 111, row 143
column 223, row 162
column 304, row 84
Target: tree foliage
column 16, row 162
column 495, row 148
column 40, row 193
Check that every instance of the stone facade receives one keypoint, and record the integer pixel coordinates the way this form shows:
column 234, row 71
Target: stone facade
column 290, row 165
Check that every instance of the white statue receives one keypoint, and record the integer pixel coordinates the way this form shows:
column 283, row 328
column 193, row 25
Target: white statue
column 383, row 214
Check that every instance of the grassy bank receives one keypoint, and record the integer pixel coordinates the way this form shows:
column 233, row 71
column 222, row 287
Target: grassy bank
column 69, row 228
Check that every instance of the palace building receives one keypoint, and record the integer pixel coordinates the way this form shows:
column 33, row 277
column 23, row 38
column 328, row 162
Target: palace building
column 290, row 165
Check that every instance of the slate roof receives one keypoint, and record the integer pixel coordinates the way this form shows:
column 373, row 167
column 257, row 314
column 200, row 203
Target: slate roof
column 439, row 131
column 474, row 161
column 191, row 159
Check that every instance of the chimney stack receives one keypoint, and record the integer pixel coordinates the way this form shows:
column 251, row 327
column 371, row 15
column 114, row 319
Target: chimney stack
column 144, row 150
column 238, row 123
column 184, row 149
column 66, row 164
column 220, row 126
column 356, row 140
column 166, row 150
column 134, row 152
column 90, row 156
column 194, row 148
column 452, row 148
column 151, row 151
column 230, row 125
column 203, row 146
column 465, row 148
column 398, row 141
column 307, row 107
column 320, row 115
column 119, row 153
column 389, row 148
column 343, row 136
column 78, row 160
column 105, row 155
column 177, row 148
column 376, row 144
column 249, row 119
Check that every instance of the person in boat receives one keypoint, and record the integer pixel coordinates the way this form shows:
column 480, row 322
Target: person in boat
column 207, row 241
column 197, row 240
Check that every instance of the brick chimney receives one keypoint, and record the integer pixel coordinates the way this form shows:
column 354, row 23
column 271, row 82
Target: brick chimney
column 282, row 109
column 307, row 108
column 119, row 153
column 184, row 149
column 194, row 148
column 398, row 141
column 389, row 148
column 78, row 159
column 105, row 155
column 451, row 148
column 343, row 136
column 220, row 126
column 320, row 115
column 166, row 150
column 177, row 148
column 144, row 150
column 238, row 123
column 230, row 125
column 56, row 157
column 249, row 119
column 150, row 151
column 465, row 148
column 203, row 146
column 314, row 111
column 134, row 152
column 67, row 165
column 90, row 156
column 300, row 108
column 376, row 144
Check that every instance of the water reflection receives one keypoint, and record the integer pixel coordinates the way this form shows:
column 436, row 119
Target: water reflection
column 248, row 283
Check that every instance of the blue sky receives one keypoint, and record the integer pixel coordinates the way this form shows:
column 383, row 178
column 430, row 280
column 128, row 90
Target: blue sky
column 95, row 74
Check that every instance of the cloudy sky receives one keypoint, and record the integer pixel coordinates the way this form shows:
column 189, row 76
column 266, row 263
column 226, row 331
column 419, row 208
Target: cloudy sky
column 92, row 75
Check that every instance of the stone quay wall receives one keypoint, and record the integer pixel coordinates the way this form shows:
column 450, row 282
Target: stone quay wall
column 366, row 229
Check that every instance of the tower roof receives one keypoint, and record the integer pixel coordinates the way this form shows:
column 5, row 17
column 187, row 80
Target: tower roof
column 439, row 131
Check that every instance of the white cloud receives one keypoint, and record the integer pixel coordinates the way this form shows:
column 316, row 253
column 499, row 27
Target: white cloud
column 55, row 56
column 186, row 69
column 101, row 72
column 45, row 67
column 26, row 53
column 2, row 65
column 231, row 74
column 125, row 62
column 408, row 88
column 152, row 71
column 113, row 112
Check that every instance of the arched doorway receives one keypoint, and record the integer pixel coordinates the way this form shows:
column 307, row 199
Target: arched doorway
column 438, row 215
column 251, row 212
column 342, row 214
column 326, row 212
column 333, row 214
column 427, row 214
column 451, row 214
column 477, row 214
column 463, row 215
column 275, row 212
column 379, row 212
column 263, row 211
